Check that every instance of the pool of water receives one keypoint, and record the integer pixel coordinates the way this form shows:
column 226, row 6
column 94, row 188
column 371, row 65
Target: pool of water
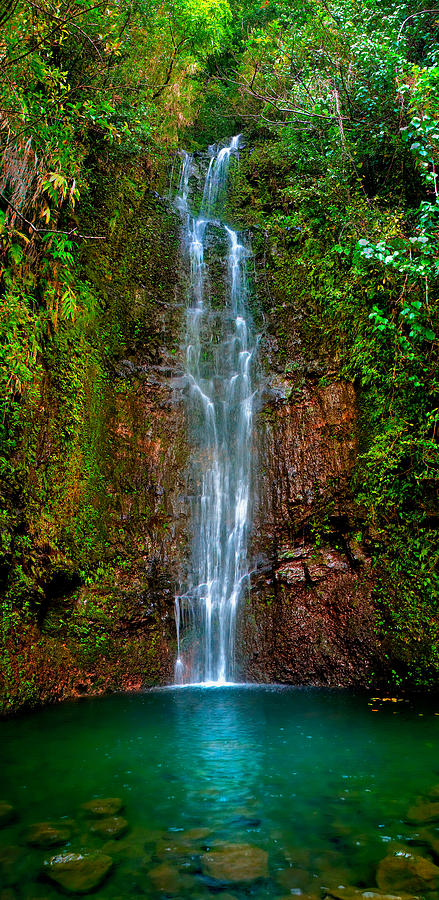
column 321, row 781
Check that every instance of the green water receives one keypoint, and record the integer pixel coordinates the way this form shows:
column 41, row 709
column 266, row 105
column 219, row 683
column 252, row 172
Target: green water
column 318, row 779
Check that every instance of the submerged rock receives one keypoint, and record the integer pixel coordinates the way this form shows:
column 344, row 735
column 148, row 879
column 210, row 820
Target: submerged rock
column 406, row 872
column 184, row 844
column 44, row 834
column 103, row 806
column 78, row 873
column 235, row 863
column 7, row 813
column 431, row 840
column 195, row 835
column 168, row 880
column 113, row 827
column 13, row 863
column 350, row 893
column 423, row 813
column 294, row 879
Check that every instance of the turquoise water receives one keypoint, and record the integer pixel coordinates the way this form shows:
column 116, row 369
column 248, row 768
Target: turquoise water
column 321, row 780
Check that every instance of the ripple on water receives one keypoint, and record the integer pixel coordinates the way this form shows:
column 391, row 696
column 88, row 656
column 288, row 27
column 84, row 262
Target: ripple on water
column 224, row 791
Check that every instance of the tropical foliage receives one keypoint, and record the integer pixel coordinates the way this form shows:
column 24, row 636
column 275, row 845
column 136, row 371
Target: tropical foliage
column 339, row 102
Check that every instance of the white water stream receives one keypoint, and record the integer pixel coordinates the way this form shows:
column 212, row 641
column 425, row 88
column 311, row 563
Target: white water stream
column 220, row 348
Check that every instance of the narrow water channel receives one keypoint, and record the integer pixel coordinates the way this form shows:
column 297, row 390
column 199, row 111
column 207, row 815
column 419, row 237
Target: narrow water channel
column 220, row 350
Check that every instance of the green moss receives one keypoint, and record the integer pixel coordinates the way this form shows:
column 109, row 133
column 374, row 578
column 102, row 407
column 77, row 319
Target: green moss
column 71, row 474
column 317, row 301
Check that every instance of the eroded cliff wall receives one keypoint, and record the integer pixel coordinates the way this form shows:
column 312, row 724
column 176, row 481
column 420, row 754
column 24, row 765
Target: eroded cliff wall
column 97, row 517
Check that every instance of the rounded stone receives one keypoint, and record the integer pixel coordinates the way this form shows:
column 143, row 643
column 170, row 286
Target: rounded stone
column 166, row 879
column 103, row 806
column 350, row 893
column 78, row 873
column 405, row 872
column 44, row 834
column 235, row 863
column 113, row 827
column 7, row 813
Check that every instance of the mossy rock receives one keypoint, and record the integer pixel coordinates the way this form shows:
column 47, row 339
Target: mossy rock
column 168, row 880
column 44, row 834
column 78, row 873
column 103, row 806
column 112, row 827
column 350, row 893
column 235, row 863
column 423, row 813
column 406, row 872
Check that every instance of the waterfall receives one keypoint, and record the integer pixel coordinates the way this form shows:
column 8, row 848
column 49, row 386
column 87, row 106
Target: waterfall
column 220, row 349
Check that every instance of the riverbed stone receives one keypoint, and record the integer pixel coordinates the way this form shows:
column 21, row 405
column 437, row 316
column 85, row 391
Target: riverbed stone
column 179, row 845
column 168, row 880
column 351, row 893
column 7, row 813
column 294, row 879
column 112, row 827
column 423, row 813
column 103, row 806
column 78, row 873
column 431, row 840
column 46, row 834
column 408, row 873
column 195, row 835
column 235, row 863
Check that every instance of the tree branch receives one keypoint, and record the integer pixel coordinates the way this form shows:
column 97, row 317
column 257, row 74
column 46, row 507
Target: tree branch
column 422, row 12
column 169, row 72
column 72, row 233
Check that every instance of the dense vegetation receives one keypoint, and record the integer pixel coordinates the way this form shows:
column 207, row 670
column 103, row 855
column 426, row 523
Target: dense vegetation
column 339, row 103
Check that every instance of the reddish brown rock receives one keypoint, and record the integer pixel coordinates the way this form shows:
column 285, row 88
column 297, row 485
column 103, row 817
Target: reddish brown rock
column 407, row 872
column 310, row 619
column 235, row 863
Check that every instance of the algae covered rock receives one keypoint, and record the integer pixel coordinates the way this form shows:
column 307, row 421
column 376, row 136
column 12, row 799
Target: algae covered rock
column 78, row 873
column 168, row 879
column 350, row 893
column 113, row 827
column 45, row 834
column 408, row 873
column 103, row 806
column 423, row 813
column 235, row 863
column 431, row 840
column 7, row 813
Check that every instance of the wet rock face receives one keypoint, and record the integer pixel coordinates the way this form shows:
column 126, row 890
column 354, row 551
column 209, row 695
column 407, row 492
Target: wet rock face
column 310, row 618
column 310, row 447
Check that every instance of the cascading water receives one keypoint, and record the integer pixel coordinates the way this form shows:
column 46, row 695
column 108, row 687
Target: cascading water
column 220, row 349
